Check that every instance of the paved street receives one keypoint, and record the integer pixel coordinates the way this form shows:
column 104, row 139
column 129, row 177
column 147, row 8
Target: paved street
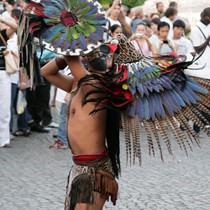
column 32, row 177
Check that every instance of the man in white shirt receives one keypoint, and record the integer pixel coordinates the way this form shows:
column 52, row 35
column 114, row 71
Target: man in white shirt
column 184, row 45
column 169, row 17
column 200, row 37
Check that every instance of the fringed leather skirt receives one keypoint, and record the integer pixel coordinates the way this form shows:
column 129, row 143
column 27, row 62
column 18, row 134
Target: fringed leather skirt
column 86, row 177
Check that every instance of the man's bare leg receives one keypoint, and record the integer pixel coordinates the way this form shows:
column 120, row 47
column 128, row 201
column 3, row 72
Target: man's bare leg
column 98, row 203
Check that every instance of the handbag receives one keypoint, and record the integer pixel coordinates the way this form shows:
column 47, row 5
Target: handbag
column 11, row 58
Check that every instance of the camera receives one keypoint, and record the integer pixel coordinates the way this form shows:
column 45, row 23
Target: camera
column 165, row 41
column 138, row 35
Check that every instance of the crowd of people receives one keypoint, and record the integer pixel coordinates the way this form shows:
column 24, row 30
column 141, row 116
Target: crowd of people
column 37, row 116
column 163, row 31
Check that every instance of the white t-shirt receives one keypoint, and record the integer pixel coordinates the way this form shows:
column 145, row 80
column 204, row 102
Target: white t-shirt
column 198, row 39
column 12, row 45
column 113, row 22
column 184, row 46
column 153, row 39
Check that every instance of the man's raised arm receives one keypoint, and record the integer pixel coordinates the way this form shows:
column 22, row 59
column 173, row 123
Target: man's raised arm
column 51, row 72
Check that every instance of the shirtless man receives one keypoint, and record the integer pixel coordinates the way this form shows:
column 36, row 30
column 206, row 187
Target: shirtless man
column 86, row 134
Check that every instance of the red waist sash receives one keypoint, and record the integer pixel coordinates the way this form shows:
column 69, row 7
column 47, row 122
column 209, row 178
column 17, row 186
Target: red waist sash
column 88, row 158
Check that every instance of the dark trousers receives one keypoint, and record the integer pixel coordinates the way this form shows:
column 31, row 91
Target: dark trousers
column 38, row 103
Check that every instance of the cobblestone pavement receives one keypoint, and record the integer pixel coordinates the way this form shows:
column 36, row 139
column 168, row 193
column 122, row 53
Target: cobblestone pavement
column 32, row 177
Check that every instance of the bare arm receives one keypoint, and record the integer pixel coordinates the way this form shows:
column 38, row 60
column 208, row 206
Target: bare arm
column 115, row 2
column 152, row 47
column 51, row 72
column 77, row 68
column 12, row 26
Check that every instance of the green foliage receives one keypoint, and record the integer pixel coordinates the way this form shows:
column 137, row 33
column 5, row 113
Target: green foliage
column 133, row 3
column 129, row 3
column 105, row 3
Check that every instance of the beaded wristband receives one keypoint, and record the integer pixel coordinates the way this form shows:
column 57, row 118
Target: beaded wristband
column 60, row 62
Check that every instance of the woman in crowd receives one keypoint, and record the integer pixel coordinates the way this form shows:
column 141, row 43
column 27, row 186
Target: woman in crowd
column 141, row 42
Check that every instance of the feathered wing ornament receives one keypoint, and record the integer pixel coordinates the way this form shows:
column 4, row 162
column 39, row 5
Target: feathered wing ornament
column 156, row 92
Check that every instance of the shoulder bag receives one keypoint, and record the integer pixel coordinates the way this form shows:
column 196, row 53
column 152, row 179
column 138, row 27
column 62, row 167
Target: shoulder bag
column 11, row 59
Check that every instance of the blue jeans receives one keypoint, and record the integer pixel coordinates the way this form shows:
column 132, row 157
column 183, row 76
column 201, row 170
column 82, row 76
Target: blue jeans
column 14, row 91
column 62, row 135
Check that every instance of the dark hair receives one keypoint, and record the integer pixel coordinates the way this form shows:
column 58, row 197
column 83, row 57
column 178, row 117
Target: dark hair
column 173, row 4
column 16, row 13
column 158, row 3
column 154, row 13
column 113, row 139
column 179, row 23
column 206, row 12
column 141, row 24
column 155, row 21
column 163, row 24
column 147, row 22
column 117, row 4
column 128, row 12
column 114, row 27
column 170, row 12
column 11, row 2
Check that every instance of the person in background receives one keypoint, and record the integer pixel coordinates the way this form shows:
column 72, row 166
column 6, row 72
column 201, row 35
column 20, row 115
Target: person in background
column 154, row 28
column 141, row 42
column 8, row 8
column 169, row 17
column 129, row 17
column 113, row 13
column 185, row 20
column 126, row 29
column 22, row 119
column 124, row 9
column 115, row 29
column 160, row 8
column 200, row 37
column 163, row 44
column 61, row 137
column 39, row 101
column 184, row 45
column 7, row 29
column 154, row 16
column 12, row 45
column 139, row 15
column 148, row 28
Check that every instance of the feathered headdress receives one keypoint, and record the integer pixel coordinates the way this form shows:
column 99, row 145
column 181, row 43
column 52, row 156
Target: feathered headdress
column 68, row 27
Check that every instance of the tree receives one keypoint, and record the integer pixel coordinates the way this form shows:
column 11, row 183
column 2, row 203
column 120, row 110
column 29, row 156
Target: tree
column 129, row 3
column 133, row 3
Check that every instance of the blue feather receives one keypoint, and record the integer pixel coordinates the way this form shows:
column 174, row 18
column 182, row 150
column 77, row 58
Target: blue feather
column 159, row 105
column 131, row 110
column 60, row 40
column 140, row 89
column 146, row 108
column 167, row 104
column 82, row 41
column 139, row 108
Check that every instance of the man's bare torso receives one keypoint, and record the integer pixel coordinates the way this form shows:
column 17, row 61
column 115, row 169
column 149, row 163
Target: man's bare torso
column 86, row 133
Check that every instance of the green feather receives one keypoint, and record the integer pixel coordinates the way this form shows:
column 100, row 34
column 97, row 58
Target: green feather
column 69, row 35
column 74, row 33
